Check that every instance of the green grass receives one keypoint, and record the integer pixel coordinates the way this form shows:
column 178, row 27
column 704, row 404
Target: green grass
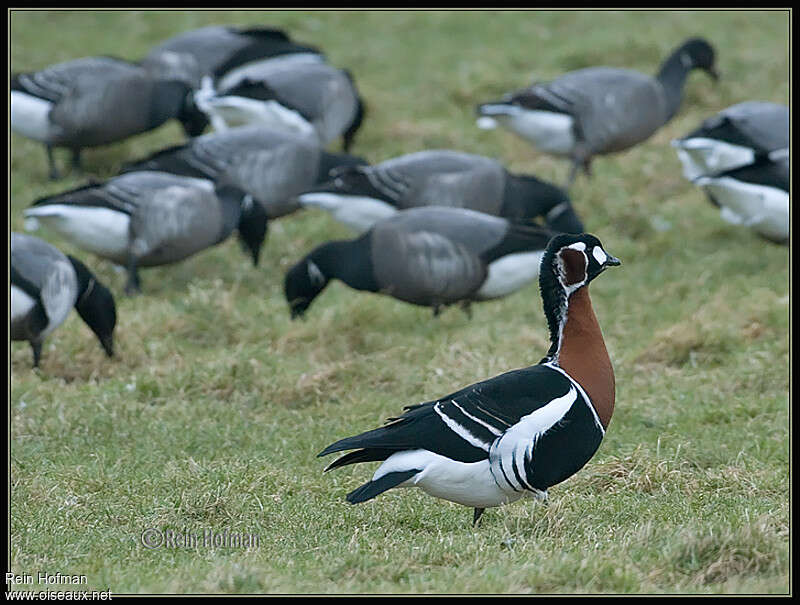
column 212, row 413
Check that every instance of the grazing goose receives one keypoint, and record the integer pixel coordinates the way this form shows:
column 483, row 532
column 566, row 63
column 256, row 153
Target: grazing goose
column 430, row 256
column 216, row 50
column 271, row 165
column 598, row 110
column 740, row 158
column 308, row 97
column 148, row 218
column 516, row 434
column 359, row 196
column 95, row 101
column 45, row 285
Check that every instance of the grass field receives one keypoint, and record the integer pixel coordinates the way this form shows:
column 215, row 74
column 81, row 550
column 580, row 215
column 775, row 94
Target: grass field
column 212, row 413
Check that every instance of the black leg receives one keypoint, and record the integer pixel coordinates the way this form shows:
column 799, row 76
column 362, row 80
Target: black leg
column 132, row 286
column 573, row 171
column 477, row 515
column 51, row 162
column 76, row 160
column 436, row 310
column 36, row 345
column 466, row 306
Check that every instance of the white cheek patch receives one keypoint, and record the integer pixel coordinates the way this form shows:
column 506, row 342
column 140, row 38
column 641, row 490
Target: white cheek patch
column 599, row 255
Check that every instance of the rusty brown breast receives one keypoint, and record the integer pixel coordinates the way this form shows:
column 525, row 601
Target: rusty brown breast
column 583, row 354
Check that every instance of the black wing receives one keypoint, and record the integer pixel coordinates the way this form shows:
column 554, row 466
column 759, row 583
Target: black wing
column 463, row 425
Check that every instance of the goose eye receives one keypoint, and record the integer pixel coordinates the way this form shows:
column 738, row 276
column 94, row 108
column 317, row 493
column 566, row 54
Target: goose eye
column 599, row 255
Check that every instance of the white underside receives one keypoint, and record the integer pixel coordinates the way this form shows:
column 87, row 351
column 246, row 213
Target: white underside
column 548, row 131
column 510, row 273
column 21, row 304
column 467, row 483
column 764, row 209
column 231, row 111
column 703, row 157
column 101, row 231
column 30, row 116
column 357, row 212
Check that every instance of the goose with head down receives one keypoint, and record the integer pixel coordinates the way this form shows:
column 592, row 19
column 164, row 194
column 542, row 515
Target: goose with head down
column 271, row 165
column 45, row 285
column 431, row 256
column 95, row 101
column 360, row 195
column 148, row 218
column 311, row 98
column 217, row 50
column 740, row 158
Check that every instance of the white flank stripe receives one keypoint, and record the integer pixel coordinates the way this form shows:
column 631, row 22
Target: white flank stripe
column 516, row 443
column 489, row 427
column 460, row 430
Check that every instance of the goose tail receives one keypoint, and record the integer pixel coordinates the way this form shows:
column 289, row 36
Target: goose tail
column 377, row 486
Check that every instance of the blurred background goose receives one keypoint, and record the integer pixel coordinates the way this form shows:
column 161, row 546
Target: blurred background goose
column 151, row 218
column 95, row 101
column 430, row 256
column 271, row 165
column 216, row 50
column 45, row 285
column 598, row 110
column 738, row 136
column 308, row 97
column 740, row 158
column 359, row 196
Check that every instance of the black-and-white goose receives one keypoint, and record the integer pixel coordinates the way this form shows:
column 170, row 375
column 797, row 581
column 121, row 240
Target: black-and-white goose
column 516, row 434
column 431, row 256
column 598, row 110
column 308, row 97
column 271, row 165
column 361, row 195
column 740, row 158
column 148, row 218
column 95, row 101
column 45, row 285
column 217, row 50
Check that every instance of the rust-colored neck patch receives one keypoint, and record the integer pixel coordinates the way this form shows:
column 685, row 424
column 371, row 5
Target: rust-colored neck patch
column 574, row 265
column 583, row 354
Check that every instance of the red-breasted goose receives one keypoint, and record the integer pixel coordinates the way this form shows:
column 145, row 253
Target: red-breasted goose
column 95, row 101
column 598, row 110
column 516, row 434
column 308, row 97
column 148, row 218
column 45, row 285
column 740, row 158
column 430, row 256
column 217, row 50
column 359, row 196
column 271, row 165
